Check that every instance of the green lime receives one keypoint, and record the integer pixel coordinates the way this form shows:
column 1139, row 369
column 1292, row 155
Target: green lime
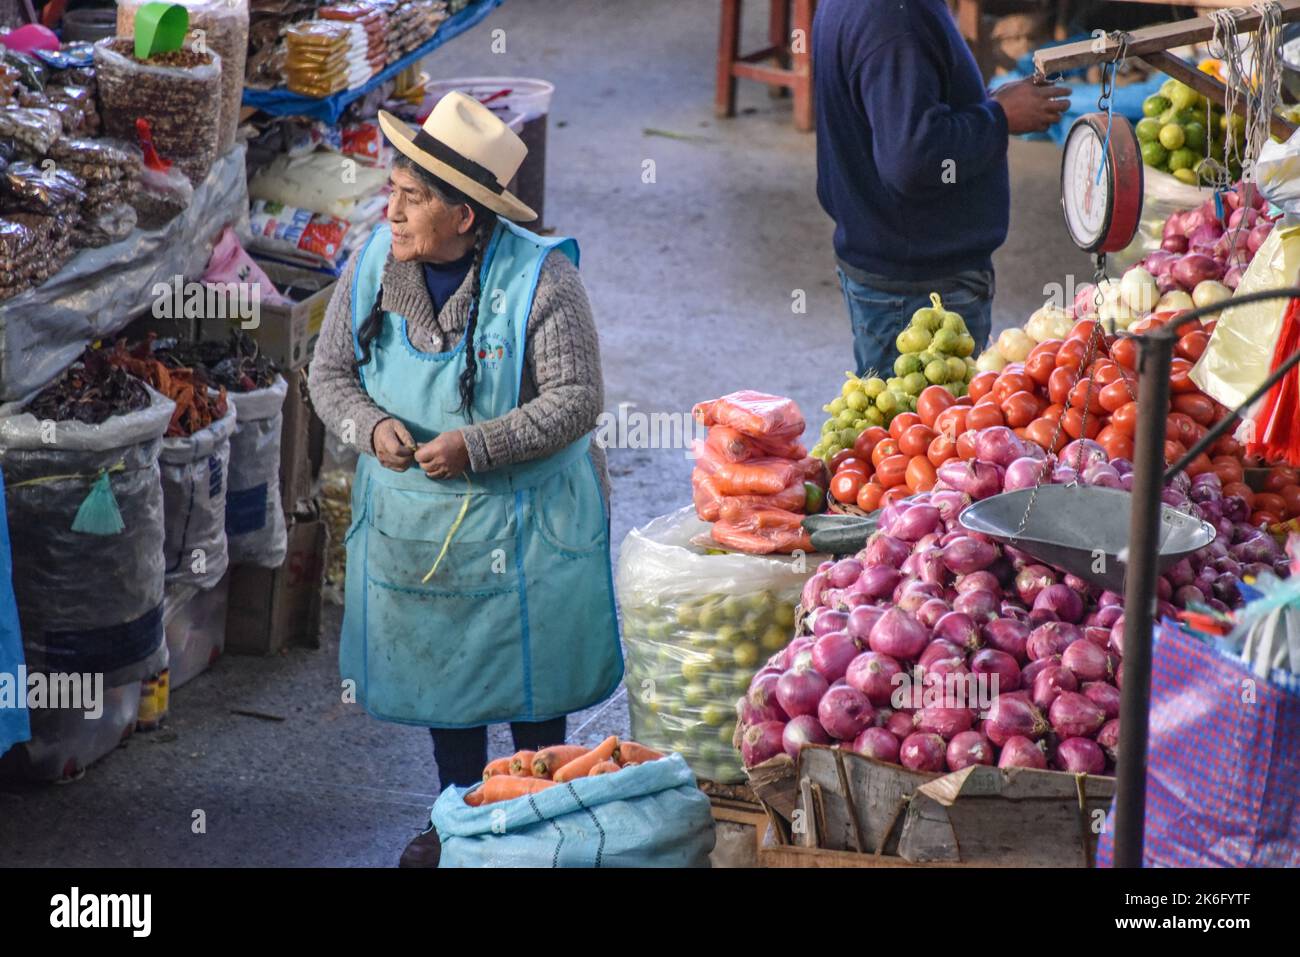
column 912, row 339
column 695, row 694
column 886, row 402
column 1148, row 129
column 1153, row 154
column 914, row 383
column 726, row 731
column 774, row 638
column 1182, row 96
column 829, row 426
column 874, row 416
column 966, row 346
column 834, row 448
column 784, row 615
column 1183, row 159
column 837, row 405
column 927, row 318
column 907, row 363
column 1155, row 105
column 1234, row 122
column 945, row 341
column 873, row 387
column 847, row 437
column 857, row 400
column 846, row 418
column 746, row 654
column 953, row 322
column 1185, row 175
column 957, row 389
column 957, row 368
column 814, row 499
column 937, row 372
column 850, row 386
column 1172, row 136
column 696, row 669
column 688, row 616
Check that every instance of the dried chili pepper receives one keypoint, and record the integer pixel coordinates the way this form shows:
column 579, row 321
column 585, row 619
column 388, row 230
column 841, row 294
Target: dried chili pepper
column 237, row 363
column 199, row 402
column 91, row 390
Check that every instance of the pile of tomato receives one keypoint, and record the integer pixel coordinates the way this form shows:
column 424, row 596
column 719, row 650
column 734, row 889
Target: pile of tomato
column 1054, row 396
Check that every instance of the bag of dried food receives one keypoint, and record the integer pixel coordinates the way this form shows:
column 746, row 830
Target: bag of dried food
column 85, row 509
column 255, row 529
column 194, row 503
column 177, row 93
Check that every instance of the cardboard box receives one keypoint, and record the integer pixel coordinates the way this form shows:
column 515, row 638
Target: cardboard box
column 302, row 444
column 287, row 333
column 270, row 608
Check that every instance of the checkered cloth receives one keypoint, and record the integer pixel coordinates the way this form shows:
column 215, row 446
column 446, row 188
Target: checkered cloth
column 1223, row 773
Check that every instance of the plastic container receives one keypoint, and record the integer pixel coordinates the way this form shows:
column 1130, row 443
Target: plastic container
column 525, row 108
column 89, row 25
column 195, row 624
column 65, row 741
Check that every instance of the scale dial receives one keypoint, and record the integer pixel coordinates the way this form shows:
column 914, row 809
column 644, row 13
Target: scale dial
column 1101, row 214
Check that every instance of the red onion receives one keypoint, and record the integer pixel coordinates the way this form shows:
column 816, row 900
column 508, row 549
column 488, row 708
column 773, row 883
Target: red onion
column 844, row 712
column 1255, row 238
column 1195, row 268
column 977, row 479
column 873, row 674
column 1023, row 472
column 1031, row 581
column 761, row 742
column 967, row 554
column 1062, row 601
column 877, row 581
column 937, row 674
column 937, row 650
column 1085, row 660
column 898, row 635
column 827, row 620
column 917, row 522
column 968, row 748
column 861, row 620
column 1082, row 454
column 1158, row 262
column 885, row 550
column 912, row 599
column 1029, row 673
column 1000, row 665
column 923, row 752
column 1010, row 716
column 977, row 581
column 930, row 566
column 943, row 721
column 1080, row 756
column 997, row 444
column 763, row 701
column 949, row 504
column 804, row 729
column 1007, row 635
column 1102, row 475
column 981, row 606
column 889, row 515
column 1104, row 696
column 1073, row 715
column 799, row 690
column 1012, row 609
column 1098, row 636
column 1247, row 213
column 1205, row 236
column 1051, row 638
column 845, row 572
column 1108, row 739
column 1049, row 683
column 1020, row 752
column 832, row 653
column 1173, row 244
column 960, row 629
column 877, row 743
column 813, row 589
column 899, row 725
column 931, row 611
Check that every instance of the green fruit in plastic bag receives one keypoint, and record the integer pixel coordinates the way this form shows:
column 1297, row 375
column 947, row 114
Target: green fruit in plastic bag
column 845, row 418
column 874, row 416
column 927, row 318
column 1155, row 155
column 837, row 405
column 953, row 322
column 873, row 387
column 1187, row 176
column 696, row 669
column 966, row 346
column 914, row 384
column 734, row 608
column 850, row 386
column 912, row 339
column 937, row 372
column 774, row 638
column 688, row 616
column 857, row 400
column 715, row 714
column 726, row 732
column 1182, row 159
column 956, row 369
column 1155, row 105
column 847, row 437
column 906, row 364
column 1147, row 129
column 784, row 615
column 1195, row 132
column 746, row 655
column 886, row 402
column 945, row 341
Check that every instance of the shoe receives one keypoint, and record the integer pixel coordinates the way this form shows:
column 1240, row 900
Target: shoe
column 424, row 850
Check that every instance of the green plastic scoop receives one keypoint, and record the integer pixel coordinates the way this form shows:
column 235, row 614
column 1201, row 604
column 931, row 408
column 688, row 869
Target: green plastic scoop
column 160, row 28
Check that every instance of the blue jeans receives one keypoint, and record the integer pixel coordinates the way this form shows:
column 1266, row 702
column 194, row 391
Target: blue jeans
column 878, row 316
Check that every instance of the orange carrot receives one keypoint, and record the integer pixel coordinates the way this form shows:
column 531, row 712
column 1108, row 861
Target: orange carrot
column 605, row 767
column 503, row 787
column 521, row 765
column 549, row 760
column 579, row 767
column 499, row 766
column 632, row 753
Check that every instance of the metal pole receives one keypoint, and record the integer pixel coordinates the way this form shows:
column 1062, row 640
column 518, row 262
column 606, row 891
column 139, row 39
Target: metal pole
column 1156, row 352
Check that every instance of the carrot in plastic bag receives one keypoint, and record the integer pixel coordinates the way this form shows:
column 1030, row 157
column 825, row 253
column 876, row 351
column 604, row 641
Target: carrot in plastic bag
column 708, row 500
column 766, row 476
column 735, row 446
column 756, row 414
column 761, row 531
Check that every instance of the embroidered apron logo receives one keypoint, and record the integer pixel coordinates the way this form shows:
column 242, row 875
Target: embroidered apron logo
column 493, row 350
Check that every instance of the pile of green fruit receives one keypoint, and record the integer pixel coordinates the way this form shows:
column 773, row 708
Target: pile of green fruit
column 1174, row 129
column 689, row 660
column 935, row 349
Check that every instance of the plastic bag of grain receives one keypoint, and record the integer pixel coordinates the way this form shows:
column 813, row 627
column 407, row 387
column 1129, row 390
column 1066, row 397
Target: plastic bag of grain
column 194, row 503
column 255, row 529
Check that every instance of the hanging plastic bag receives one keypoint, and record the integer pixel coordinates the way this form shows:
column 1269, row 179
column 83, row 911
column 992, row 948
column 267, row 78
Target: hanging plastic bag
column 1223, row 766
column 87, row 602
column 696, row 626
column 255, row 529
column 194, row 503
column 1277, row 173
column 756, row 414
column 1240, row 352
column 1276, row 436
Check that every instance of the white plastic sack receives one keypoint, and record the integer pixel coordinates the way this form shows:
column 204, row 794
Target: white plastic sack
column 194, row 503
column 315, row 182
column 1277, row 173
column 696, row 627
column 1162, row 196
column 86, row 603
column 255, row 530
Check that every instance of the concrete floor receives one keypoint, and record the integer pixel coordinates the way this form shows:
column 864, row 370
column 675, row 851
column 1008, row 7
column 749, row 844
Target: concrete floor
column 691, row 276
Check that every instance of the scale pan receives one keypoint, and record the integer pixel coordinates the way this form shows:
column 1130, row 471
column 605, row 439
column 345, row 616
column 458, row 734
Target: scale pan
column 1082, row 528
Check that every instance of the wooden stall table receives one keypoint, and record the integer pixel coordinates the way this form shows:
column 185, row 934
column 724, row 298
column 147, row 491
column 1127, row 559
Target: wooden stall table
column 789, row 37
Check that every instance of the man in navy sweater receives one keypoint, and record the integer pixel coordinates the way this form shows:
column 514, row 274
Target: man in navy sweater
column 912, row 164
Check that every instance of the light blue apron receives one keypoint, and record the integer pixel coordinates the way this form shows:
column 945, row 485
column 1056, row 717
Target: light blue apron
column 518, row 621
column 14, row 726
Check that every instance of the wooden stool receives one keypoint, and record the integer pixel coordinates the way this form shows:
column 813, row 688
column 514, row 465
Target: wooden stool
column 789, row 37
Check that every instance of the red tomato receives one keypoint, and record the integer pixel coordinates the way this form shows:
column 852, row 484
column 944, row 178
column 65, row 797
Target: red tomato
column 1279, row 477
column 839, row 458
column 1182, row 429
column 1125, row 418
column 1208, row 327
column 1116, row 443
column 1053, row 412
column 916, row 440
column 1241, row 490
column 1291, row 496
column 1072, row 354
column 920, row 475
column 1228, row 469
column 865, row 442
column 1105, row 371
column 1174, row 451
column 952, row 421
column 892, row 495
column 1269, row 502
column 1074, row 425
column 1114, row 394
column 1179, row 380
column 1199, row 465
column 883, row 450
column 1019, row 409
column 1196, row 405
column 901, row 423
column 979, row 386
column 855, row 465
column 1125, row 352
column 964, row 401
column 1039, row 367
column 1085, row 393
column 1040, row 432
column 869, row 496
column 1058, row 385
column 1261, row 517
column 934, row 399
column 892, row 471
column 846, row 485
column 1009, row 383
column 1082, row 330
column 966, row 444
column 983, row 415
column 941, row 449
column 1192, row 345
column 1227, row 445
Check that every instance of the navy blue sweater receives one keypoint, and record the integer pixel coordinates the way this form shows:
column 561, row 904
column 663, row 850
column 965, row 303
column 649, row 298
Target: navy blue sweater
column 898, row 96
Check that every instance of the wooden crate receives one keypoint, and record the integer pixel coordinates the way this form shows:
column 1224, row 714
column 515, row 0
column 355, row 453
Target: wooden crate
column 740, row 822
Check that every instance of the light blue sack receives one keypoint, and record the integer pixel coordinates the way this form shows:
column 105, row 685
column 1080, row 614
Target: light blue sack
column 650, row 815
column 13, row 721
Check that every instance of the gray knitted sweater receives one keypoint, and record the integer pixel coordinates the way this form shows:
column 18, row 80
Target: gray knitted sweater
column 562, row 394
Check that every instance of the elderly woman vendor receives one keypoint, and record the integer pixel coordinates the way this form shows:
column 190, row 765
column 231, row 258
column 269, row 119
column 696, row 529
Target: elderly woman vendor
column 459, row 356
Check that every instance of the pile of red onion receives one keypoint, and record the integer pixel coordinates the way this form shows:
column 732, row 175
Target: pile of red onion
column 932, row 605
column 1199, row 245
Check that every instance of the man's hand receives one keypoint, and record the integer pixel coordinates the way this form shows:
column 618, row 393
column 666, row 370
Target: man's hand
column 1031, row 107
column 445, row 457
column 394, row 446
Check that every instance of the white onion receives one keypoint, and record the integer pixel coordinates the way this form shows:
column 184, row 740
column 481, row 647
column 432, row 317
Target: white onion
column 990, row 360
column 1138, row 290
column 1049, row 322
column 1014, row 345
column 1174, row 301
column 1209, row 292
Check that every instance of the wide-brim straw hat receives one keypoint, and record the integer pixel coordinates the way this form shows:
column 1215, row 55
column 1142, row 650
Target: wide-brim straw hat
column 468, row 146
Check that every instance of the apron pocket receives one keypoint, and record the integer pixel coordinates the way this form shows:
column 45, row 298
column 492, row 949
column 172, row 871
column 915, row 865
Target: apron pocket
column 568, row 508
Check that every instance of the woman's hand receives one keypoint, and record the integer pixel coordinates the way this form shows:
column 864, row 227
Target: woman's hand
column 445, row 457
column 393, row 445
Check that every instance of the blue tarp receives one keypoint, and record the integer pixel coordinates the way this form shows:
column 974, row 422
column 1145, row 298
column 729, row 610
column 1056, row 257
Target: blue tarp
column 1083, row 96
column 13, row 720
column 282, row 102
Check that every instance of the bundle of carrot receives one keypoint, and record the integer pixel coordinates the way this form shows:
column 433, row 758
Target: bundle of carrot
column 528, row 772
